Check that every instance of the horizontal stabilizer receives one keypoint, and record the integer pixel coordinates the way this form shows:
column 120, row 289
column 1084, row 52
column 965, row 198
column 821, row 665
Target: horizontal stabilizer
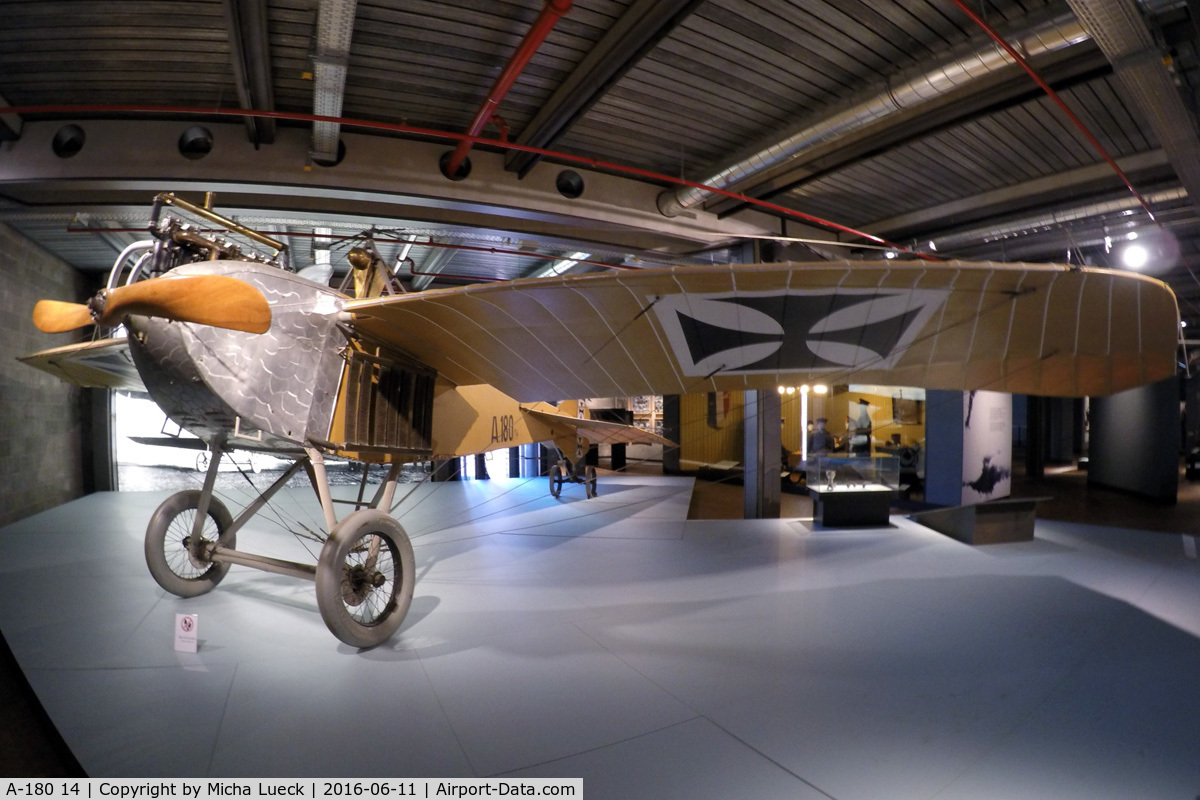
column 103, row 364
column 600, row 432
column 180, row 442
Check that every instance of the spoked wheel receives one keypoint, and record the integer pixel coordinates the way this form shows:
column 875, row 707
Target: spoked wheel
column 558, row 474
column 365, row 578
column 589, row 481
column 176, row 565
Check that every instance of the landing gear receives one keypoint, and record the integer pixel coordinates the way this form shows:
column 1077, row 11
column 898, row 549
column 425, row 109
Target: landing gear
column 365, row 574
column 566, row 472
column 179, row 558
column 365, row 578
column 558, row 475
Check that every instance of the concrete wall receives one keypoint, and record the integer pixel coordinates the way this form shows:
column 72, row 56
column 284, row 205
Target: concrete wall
column 42, row 424
column 1135, row 438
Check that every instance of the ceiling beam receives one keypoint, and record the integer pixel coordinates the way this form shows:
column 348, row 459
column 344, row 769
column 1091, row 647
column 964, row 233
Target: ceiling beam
column 1118, row 28
column 128, row 161
column 250, row 52
column 10, row 124
column 1052, row 244
column 966, row 71
column 1082, row 65
column 436, row 262
column 942, row 219
column 643, row 25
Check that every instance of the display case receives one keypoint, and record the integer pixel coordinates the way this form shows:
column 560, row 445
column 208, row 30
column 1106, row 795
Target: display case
column 853, row 491
column 857, row 473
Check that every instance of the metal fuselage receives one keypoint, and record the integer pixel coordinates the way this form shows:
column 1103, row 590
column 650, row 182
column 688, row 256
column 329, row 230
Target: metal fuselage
column 295, row 384
column 275, row 390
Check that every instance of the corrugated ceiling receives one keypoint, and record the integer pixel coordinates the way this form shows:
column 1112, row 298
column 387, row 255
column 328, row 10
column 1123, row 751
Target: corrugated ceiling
column 716, row 81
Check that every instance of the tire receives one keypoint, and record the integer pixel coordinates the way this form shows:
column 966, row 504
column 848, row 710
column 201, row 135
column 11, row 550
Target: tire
column 364, row 603
column 557, row 476
column 167, row 544
column 589, row 481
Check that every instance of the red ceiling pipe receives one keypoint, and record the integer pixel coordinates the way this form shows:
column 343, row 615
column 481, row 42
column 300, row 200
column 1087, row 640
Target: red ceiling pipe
column 1058, row 101
column 552, row 12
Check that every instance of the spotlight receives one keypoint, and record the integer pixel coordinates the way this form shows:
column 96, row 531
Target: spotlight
column 1153, row 251
column 1135, row 256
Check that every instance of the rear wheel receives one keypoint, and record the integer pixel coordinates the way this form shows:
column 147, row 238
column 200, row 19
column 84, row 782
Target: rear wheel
column 558, row 473
column 365, row 578
column 178, row 564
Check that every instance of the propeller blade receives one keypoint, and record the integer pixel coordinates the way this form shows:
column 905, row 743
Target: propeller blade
column 53, row 316
column 216, row 300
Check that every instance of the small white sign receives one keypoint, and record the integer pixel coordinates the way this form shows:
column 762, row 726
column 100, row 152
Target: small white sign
column 187, row 631
column 1189, row 546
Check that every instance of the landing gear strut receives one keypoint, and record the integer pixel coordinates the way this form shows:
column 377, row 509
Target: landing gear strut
column 365, row 574
column 565, row 472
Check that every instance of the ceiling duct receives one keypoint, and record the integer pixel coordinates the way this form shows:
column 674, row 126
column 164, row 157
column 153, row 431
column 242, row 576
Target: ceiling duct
column 1122, row 35
column 1051, row 219
column 921, row 86
column 250, row 54
column 335, row 29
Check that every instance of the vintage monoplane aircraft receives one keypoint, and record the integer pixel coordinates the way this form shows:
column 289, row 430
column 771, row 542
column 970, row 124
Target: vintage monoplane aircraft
column 240, row 350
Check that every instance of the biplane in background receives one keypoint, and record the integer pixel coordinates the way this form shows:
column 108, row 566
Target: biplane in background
column 236, row 348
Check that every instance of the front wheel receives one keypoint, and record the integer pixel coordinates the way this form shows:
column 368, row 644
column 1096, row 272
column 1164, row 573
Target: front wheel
column 589, row 481
column 174, row 562
column 365, row 578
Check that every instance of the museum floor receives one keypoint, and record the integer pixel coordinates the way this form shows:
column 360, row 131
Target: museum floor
column 652, row 654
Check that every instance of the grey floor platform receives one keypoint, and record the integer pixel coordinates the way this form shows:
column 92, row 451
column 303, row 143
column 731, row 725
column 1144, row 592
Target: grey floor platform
column 655, row 657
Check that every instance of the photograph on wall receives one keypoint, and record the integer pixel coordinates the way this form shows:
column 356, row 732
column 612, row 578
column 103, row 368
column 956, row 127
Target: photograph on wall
column 906, row 410
column 987, row 446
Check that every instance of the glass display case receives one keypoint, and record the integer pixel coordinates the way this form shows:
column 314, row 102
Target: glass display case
column 853, row 473
column 853, row 490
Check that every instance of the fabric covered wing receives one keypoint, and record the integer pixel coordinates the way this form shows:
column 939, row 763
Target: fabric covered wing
column 104, row 364
column 1020, row 328
column 598, row 431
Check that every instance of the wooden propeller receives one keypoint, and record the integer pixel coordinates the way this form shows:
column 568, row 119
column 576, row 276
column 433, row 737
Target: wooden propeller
column 216, row 300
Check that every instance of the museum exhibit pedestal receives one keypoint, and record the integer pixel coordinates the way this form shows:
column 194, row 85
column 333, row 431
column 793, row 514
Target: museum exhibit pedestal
column 994, row 522
column 851, row 506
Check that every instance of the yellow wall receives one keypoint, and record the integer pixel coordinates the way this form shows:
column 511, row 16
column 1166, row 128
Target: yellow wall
column 700, row 443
